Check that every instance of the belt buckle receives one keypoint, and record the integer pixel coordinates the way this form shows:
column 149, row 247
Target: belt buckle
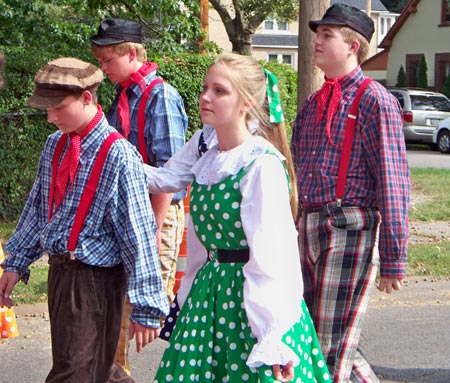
column 211, row 255
column 71, row 256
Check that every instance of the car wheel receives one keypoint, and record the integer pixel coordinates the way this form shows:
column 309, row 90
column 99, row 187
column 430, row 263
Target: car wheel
column 444, row 142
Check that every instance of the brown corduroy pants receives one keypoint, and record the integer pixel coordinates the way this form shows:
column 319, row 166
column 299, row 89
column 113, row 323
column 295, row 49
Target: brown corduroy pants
column 85, row 307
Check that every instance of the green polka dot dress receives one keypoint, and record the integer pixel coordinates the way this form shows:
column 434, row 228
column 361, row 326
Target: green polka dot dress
column 212, row 338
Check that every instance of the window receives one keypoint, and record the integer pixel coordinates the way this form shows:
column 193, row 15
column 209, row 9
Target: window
column 412, row 69
column 445, row 12
column 273, row 25
column 282, row 58
column 442, row 70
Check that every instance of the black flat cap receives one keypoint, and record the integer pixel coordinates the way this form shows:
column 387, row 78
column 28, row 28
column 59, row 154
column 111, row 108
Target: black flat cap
column 346, row 15
column 116, row 31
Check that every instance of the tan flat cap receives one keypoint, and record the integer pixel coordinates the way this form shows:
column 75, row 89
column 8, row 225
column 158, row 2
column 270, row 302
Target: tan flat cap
column 63, row 77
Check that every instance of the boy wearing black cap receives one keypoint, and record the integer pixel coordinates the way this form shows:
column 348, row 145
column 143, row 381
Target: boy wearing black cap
column 88, row 210
column 150, row 114
column 353, row 184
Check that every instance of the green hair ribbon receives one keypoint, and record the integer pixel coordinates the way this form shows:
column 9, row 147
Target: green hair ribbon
column 273, row 97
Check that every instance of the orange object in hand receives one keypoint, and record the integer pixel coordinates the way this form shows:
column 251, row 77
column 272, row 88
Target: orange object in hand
column 8, row 325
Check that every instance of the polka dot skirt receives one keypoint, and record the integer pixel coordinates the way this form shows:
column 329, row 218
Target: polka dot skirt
column 212, row 338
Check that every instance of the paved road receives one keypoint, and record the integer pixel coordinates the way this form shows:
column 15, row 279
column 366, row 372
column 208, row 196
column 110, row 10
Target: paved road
column 406, row 336
column 426, row 158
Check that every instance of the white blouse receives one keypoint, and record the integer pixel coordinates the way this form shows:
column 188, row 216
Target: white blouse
column 273, row 287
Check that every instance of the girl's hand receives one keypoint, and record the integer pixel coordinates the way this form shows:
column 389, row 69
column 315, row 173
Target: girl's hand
column 283, row 373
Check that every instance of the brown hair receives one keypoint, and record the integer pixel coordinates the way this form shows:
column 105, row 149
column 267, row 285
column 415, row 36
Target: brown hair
column 350, row 35
column 120, row 49
column 249, row 80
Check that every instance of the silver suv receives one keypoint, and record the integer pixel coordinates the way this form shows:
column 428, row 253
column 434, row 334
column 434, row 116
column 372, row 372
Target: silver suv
column 423, row 110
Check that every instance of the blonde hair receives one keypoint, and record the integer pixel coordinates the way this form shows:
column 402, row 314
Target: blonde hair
column 249, row 80
column 350, row 35
column 120, row 49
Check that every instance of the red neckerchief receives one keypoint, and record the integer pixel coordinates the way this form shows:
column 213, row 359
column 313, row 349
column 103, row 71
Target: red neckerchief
column 333, row 87
column 69, row 164
column 137, row 77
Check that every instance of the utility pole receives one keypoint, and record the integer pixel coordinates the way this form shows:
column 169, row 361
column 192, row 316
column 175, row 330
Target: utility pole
column 204, row 21
column 369, row 7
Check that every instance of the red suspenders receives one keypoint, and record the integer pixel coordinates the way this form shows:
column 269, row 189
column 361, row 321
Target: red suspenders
column 89, row 191
column 141, row 119
column 348, row 143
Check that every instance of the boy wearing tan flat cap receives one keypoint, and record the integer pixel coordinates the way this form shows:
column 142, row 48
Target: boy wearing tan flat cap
column 88, row 210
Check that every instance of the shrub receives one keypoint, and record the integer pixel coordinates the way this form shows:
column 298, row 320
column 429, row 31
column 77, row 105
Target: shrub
column 24, row 130
column 422, row 79
column 401, row 77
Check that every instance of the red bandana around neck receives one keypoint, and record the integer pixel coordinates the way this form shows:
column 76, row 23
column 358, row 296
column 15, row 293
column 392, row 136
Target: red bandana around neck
column 330, row 87
column 137, row 77
column 69, row 164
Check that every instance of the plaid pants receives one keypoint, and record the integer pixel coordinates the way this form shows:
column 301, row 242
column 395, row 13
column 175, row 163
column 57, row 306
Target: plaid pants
column 171, row 237
column 339, row 256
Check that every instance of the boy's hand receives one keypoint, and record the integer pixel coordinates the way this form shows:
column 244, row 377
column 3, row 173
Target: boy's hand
column 390, row 284
column 144, row 335
column 283, row 373
column 7, row 283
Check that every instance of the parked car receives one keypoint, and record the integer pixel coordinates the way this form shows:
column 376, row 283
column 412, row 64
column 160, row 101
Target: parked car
column 441, row 136
column 423, row 110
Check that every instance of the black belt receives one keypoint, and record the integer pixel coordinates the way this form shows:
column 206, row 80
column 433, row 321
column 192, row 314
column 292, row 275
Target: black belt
column 312, row 208
column 230, row 256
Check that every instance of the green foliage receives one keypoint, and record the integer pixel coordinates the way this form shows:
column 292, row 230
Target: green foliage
column 21, row 141
column 446, row 89
column 395, row 5
column 422, row 80
column 401, row 77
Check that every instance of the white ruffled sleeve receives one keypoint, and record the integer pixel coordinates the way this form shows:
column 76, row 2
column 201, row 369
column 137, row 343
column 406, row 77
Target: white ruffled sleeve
column 176, row 173
column 273, row 287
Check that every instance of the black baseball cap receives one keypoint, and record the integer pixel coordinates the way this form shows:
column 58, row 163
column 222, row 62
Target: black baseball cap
column 116, row 31
column 346, row 15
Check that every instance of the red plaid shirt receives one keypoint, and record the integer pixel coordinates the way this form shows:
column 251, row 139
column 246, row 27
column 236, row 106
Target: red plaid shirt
column 378, row 173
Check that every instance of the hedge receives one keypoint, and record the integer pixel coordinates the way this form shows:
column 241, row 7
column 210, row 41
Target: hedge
column 24, row 130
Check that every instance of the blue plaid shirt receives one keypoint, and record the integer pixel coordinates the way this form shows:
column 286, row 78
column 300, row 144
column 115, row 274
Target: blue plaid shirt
column 120, row 226
column 165, row 121
column 378, row 173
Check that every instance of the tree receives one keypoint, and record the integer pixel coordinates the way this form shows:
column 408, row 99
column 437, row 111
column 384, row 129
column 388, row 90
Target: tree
column 422, row 80
column 395, row 5
column 401, row 77
column 310, row 77
column 446, row 89
column 170, row 26
column 241, row 18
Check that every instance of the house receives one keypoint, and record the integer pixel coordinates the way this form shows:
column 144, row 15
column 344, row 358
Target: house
column 275, row 40
column 422, row 29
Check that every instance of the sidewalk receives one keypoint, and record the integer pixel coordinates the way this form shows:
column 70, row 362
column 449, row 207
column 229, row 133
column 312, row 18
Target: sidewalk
column 406, row 337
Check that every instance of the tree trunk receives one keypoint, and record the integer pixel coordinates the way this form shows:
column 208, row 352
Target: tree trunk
column 310, row 78
column 242, row 45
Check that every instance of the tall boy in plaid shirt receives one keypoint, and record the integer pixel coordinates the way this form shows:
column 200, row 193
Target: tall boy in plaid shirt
column 342, row 241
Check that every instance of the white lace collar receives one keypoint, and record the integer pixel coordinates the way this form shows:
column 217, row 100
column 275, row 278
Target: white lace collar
column 214, row 166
